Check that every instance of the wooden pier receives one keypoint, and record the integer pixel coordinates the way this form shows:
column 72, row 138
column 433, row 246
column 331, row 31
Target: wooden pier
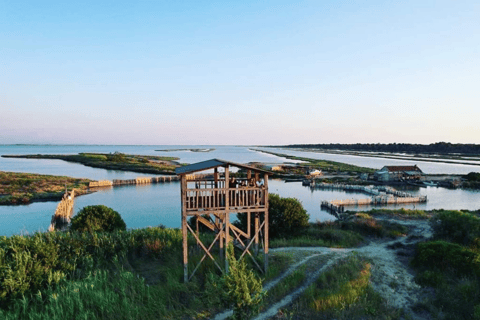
column 380, row 196
column 373, row 191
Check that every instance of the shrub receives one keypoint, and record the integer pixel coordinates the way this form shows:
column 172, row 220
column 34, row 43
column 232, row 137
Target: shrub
column 473, row 176
column 243, row 289
column 28, row 264
column 93, row 156
column 239, row 288
column 456, row 226
column 287, row 216
column 445, row 256
column 363, row 215
column 431, row 278
column 116, row 157
column 97, row 218
column 32, row 263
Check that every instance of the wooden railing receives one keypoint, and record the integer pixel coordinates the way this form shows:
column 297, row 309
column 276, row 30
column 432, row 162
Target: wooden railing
column 214, row 198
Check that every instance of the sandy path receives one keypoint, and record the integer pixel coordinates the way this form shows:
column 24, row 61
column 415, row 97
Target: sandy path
column 390, row 277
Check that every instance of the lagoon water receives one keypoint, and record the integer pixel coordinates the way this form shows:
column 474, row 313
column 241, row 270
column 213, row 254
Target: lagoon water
column 377, row 163
column 151, row 205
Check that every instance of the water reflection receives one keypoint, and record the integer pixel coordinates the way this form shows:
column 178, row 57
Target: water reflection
column 151, row 205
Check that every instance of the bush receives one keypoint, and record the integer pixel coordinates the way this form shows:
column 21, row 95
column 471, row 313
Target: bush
column 287, row 216
column 243, row 289
column 456, row 226
column 28, row 264
column 431, row 278
column 32, row 263
column 98, row 218
column 116, row 157
column 446, row 257
column 473, row 176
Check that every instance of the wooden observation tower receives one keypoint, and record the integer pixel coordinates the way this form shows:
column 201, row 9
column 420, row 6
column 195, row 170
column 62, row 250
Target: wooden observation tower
column 212, row 198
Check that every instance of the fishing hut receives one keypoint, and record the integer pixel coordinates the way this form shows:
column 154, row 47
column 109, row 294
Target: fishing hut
column 213, row 198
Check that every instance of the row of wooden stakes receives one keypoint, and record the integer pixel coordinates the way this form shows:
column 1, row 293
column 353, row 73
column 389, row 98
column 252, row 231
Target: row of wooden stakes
column 139, row 180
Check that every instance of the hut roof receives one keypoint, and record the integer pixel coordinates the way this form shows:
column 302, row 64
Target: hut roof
column 214, row 163
column 402, row 168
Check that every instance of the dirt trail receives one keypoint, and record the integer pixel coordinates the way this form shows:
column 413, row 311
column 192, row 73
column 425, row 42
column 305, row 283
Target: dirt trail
column 391, row 277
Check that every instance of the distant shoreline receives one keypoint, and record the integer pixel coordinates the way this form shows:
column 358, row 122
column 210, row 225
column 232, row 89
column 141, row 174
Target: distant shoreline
column 424, row 158
column 192, row 150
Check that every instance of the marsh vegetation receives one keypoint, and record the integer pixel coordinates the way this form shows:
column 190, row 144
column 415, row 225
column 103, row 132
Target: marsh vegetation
column 353, row 269
column 114, row 161
column 23, row 188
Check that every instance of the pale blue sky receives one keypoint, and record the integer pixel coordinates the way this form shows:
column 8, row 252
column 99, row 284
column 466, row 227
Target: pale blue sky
column 243, row 72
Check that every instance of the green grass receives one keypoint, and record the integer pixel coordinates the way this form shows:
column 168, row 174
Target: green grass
column 342, row 234
column 363, row 215
column 103, row 295
column 141, row 270
column 31, row 263
column 93, row 283
column 277, row 263
column 125, row 275
column 450, row 266
column 115, row 295
column 23, row 188
column 462, row 227
column 412, row 213
column 285, row 286
column 321, row 238
column 342, row 292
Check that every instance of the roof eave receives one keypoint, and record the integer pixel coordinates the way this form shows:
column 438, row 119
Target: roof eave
column 215, row 163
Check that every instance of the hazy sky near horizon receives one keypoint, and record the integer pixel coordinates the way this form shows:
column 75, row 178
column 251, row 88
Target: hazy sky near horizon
column 239, row 72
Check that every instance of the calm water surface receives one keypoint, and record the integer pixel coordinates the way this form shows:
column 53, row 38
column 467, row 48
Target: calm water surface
column 377, row 163
column 151, row 205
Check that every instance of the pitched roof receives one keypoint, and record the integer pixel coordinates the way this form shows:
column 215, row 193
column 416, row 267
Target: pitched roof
column 402, row 168
column 213, row 163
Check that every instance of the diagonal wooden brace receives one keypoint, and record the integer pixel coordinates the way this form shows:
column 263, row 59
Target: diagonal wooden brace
column 253, row 239
column 207, row 252
column 247, row 251
column 204, row 256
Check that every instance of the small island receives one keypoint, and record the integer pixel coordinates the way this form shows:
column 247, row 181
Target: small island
column 22, row 188
column 114, row 161
column 191, row 150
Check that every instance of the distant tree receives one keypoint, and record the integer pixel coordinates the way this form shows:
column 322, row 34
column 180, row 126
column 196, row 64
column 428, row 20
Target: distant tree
column 438, row 148
column 473, row 176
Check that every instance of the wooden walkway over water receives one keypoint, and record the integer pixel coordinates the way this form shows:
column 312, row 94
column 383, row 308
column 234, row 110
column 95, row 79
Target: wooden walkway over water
column 380, row 196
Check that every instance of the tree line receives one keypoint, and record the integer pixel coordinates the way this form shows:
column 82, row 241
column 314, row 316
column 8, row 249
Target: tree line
column 437, row 148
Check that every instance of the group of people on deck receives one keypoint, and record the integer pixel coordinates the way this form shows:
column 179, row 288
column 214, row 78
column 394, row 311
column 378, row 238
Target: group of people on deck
column 234, row 183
